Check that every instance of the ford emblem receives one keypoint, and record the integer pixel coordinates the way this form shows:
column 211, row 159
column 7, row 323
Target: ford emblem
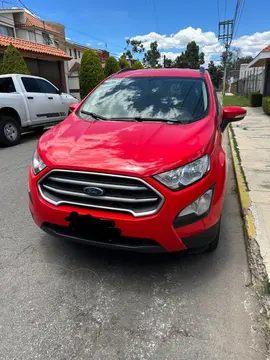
column 93, row 191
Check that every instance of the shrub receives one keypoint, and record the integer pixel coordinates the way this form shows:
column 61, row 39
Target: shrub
column 91, row 72
column 13, row 62
column 124, row 64
column 137, row 65
column 111, row 66
column 266, row 105
column 255, row 99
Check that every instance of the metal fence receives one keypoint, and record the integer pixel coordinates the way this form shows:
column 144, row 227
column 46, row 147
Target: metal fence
column 251, row 83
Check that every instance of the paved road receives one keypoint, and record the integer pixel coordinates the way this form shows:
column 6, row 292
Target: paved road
column 66, row 301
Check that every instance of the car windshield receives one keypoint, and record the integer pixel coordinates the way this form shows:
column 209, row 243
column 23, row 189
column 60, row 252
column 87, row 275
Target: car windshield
column 177, row 99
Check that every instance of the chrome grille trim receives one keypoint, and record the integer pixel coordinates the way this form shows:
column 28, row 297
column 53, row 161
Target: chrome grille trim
column 108, row 198
column 154, row 197
column 108, row 186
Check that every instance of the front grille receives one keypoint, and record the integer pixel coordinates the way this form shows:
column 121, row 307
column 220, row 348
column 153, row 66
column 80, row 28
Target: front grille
column 120, row 193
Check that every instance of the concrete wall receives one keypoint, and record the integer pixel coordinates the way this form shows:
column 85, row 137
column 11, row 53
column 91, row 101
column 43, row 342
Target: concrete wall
column 74, row 85
column 7, row 19
column 243, row 69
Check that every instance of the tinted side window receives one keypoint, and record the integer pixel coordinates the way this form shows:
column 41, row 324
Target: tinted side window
column 7, row 85
column 47, row 87
column 30, row 84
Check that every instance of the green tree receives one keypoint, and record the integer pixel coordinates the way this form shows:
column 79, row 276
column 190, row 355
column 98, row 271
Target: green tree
column 152, row 56
column 133, row 47
column 111, row 66
column 181, row 61
column 13, row 62
column 137, row 65
column 123, row 63
column 234, row 59
column 216, row 73
column 91, row 72
column 168, row 63
column 191, row 58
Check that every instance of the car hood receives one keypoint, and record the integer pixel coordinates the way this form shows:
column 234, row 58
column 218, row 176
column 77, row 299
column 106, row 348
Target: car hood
column 124, row 147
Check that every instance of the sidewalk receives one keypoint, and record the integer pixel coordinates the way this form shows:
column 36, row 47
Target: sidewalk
column 250, row 142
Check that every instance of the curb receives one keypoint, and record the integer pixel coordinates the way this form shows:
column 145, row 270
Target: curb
column 245, row 203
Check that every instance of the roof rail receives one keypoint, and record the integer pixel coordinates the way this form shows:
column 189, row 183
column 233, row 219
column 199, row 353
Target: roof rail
column 202, row 70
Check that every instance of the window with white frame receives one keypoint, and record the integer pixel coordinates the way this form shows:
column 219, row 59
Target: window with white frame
column 6, row 31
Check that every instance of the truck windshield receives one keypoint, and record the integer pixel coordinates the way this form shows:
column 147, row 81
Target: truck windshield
column 177, row 99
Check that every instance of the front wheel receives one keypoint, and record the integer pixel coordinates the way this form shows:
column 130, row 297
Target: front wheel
column 10, row 131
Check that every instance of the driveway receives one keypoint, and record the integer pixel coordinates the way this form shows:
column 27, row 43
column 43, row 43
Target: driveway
column 60, row 300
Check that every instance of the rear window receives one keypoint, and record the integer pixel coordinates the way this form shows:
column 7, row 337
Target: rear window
column 7, row 85
column 174, row 98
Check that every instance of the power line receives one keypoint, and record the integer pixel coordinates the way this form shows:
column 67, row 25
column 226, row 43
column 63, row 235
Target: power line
column 239, row 19
column 218, row 10
column 25, row 6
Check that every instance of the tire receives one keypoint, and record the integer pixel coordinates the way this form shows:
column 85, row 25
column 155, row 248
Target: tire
column 10, row 131
column 214, row 244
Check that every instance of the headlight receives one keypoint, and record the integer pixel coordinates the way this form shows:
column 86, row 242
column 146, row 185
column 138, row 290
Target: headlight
column 37, row 164
column 185, row 175
column 196, row 210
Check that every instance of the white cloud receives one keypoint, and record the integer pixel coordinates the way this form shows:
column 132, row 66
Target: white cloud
column 208, row 42
column 252, row 44
column 100, row 43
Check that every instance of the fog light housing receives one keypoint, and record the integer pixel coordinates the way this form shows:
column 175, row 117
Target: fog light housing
column 196, row 210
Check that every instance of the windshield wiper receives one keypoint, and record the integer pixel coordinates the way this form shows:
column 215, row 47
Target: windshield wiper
column 140, row 118
column 94, row 115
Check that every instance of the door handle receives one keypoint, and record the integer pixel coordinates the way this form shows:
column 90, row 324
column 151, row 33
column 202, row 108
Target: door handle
column 30, row 97
column 50, row 98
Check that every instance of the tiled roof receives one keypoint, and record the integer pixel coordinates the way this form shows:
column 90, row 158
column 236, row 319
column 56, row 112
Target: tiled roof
column 33, row 47
column 266, row 49
column 32, row 21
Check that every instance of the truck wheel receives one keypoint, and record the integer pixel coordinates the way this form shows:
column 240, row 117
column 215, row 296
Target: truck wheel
column 10, row 131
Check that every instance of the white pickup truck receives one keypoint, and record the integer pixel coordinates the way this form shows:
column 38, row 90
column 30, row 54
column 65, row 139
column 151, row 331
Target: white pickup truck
column 29, row 102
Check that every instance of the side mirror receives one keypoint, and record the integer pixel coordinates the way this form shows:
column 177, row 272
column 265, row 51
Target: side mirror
column 231, row 114
column 72, row 108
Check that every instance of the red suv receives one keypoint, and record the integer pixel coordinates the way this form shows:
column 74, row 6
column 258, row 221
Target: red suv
column 137, row 165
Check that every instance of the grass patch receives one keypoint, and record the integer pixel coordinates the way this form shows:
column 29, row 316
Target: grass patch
column 239, row 157
column 235, row 100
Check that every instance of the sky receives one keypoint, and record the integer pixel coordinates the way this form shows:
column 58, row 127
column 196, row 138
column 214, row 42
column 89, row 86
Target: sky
column 105, row 24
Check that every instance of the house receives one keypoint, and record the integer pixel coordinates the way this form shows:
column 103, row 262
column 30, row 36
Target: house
column 263, row 60
column 40, row 43
column 75, row 52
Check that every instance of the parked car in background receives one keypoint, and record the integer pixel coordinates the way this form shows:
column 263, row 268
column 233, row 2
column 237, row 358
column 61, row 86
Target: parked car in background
column 29, row 102
column 137, row 165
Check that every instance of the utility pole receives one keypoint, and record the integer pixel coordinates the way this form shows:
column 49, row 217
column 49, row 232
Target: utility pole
column 225, row 33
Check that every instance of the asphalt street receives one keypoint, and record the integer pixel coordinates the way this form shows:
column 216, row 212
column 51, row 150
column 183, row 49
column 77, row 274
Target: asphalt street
column 60, row 300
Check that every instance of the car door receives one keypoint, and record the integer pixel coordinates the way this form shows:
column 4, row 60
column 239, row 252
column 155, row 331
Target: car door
column 36, row 100
column 56, row 108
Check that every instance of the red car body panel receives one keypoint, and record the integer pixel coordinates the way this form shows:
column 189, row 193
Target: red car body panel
column 139, row 150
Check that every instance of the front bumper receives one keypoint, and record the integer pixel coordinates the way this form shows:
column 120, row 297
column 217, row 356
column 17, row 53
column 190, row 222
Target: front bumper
column 154, row 233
